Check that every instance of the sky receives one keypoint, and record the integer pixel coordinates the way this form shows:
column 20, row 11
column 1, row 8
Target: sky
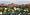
column 14, row 1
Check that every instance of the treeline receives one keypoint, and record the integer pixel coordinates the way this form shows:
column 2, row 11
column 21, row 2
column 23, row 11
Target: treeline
column 17, row 6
